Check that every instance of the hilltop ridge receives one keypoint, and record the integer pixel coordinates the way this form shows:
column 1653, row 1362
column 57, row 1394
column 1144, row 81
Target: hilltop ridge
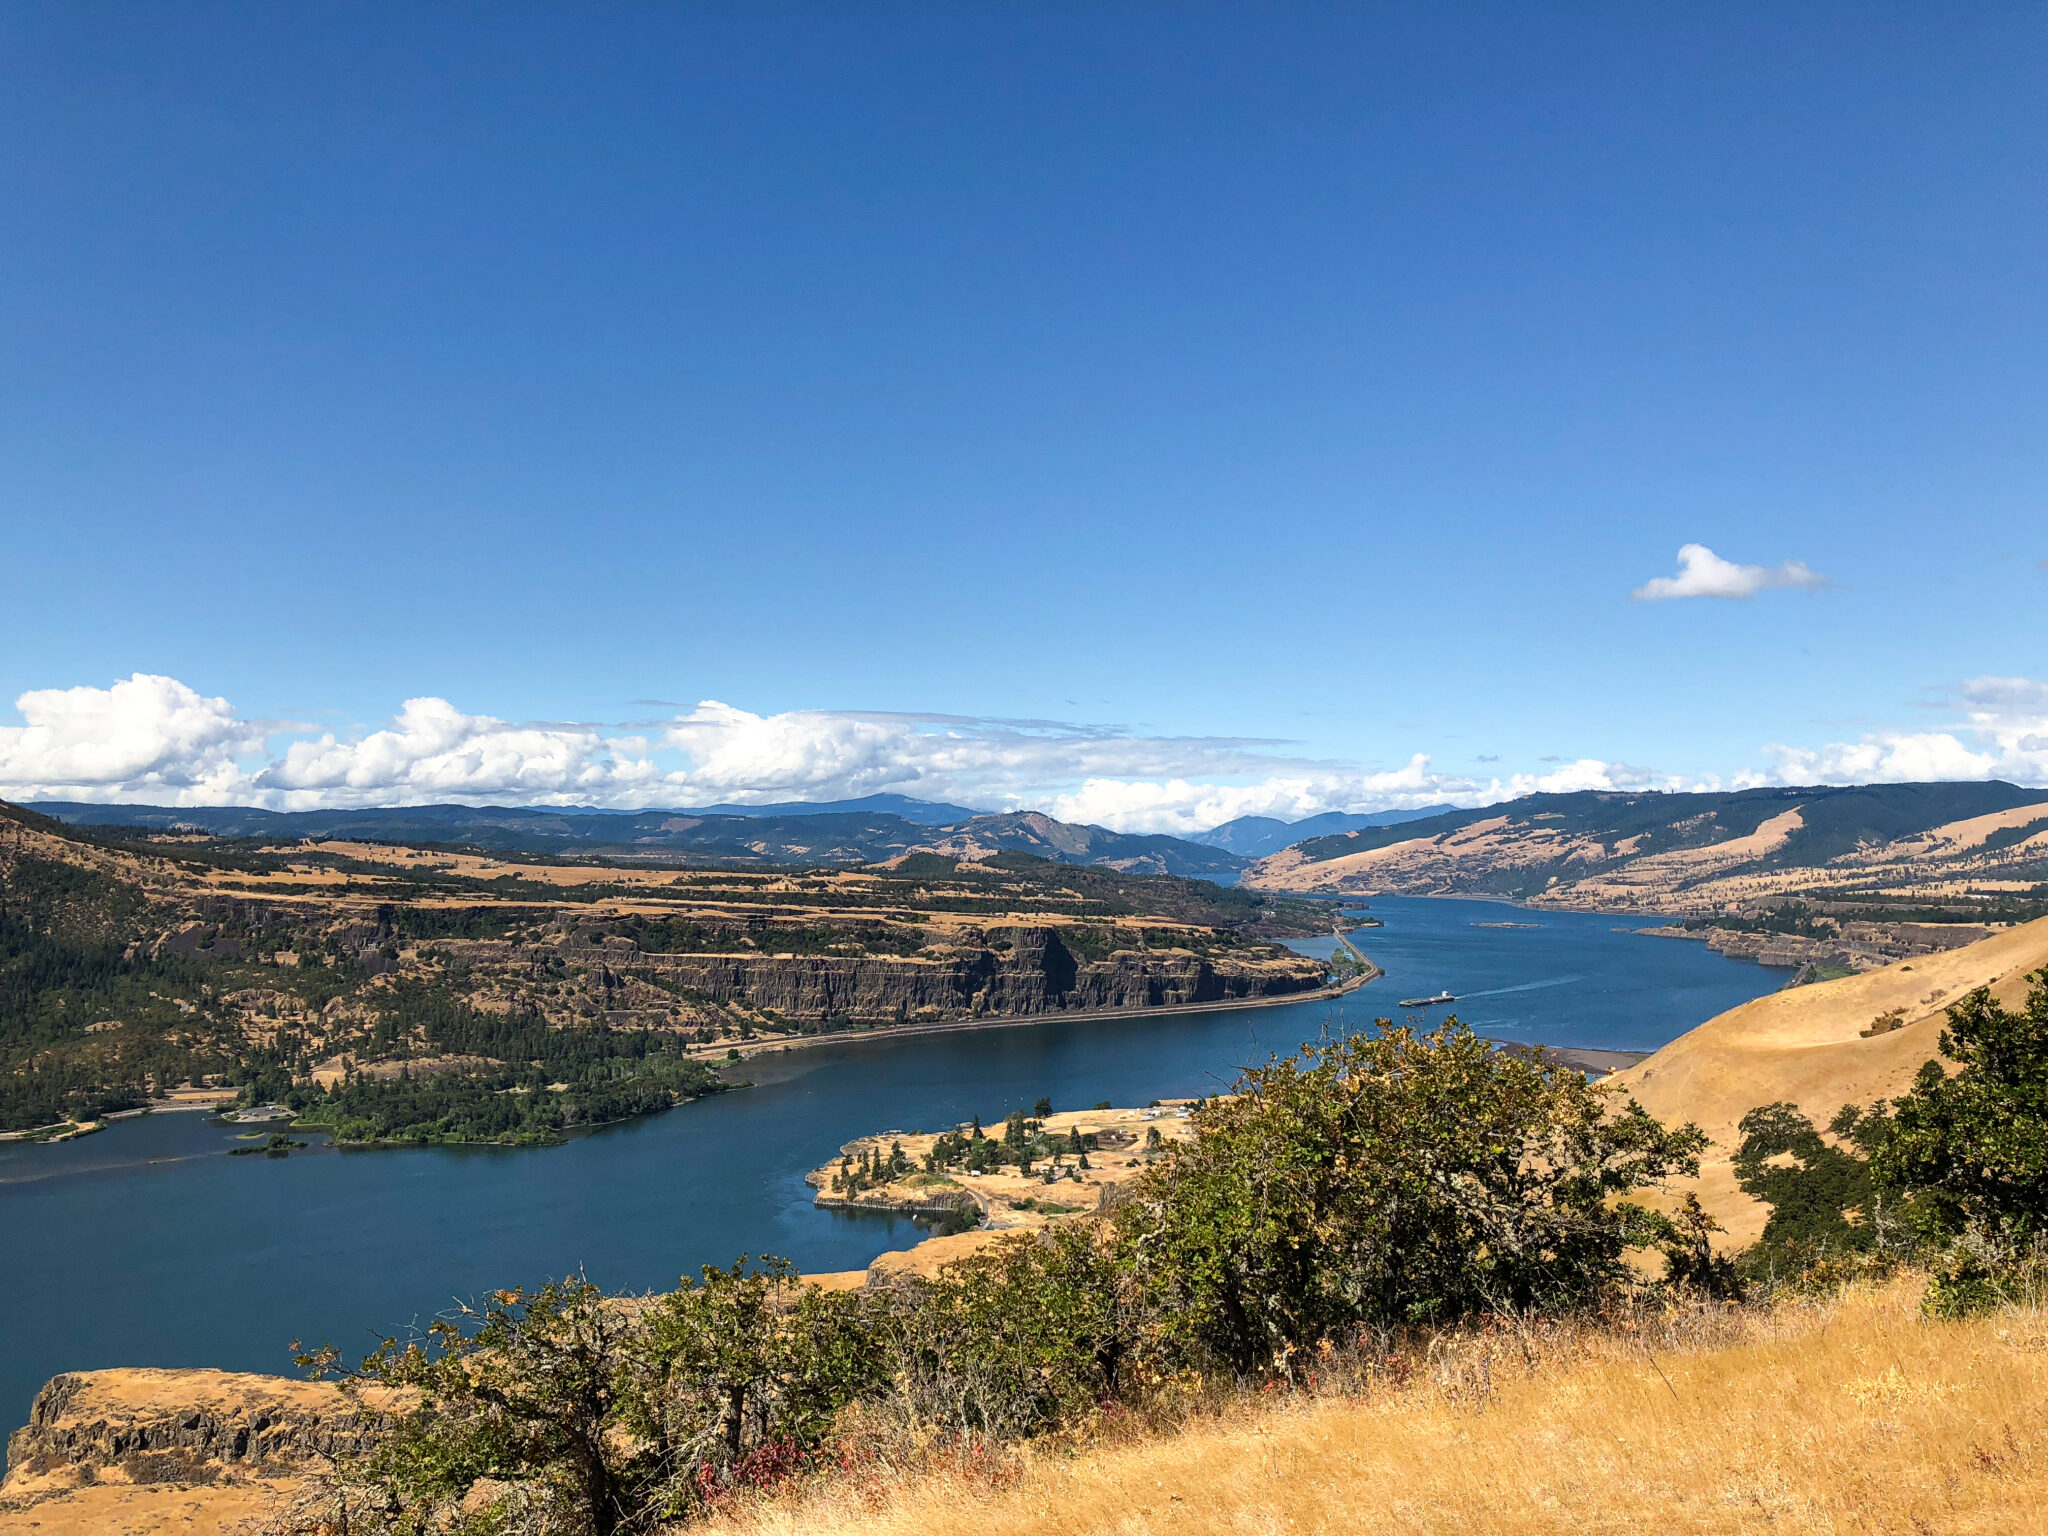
column 1898, row 845
column 1254, row 836
column 866, row 831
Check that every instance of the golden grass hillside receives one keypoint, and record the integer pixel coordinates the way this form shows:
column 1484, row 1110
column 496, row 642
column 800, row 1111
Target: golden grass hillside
column 1587, row 850
column 1805, row 1046
column 1853, row 1415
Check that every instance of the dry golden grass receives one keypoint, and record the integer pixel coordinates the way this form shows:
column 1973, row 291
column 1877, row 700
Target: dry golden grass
column 1942, row 860
column 1806, row 1046
column 1850, row 1416
column 153, row 1509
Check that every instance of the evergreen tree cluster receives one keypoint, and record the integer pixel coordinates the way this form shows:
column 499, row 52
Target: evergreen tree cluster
column 1024, row 1145
column 544, row 1080
column 870, row 1169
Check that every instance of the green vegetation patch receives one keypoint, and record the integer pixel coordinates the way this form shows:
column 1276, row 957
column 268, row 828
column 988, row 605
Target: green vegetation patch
column 550, row 1080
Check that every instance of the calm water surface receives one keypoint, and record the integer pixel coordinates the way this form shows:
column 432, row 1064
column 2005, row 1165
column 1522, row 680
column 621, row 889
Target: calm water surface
column 148, row 1245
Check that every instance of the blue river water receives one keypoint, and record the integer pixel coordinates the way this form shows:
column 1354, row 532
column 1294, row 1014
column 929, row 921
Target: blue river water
column 147, row 1245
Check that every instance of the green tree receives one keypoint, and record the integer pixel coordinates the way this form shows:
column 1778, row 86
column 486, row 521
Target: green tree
column 750, row 1360
column 1019, row 1337
column 564, row 1409
column 1690, row 1262
column 536, row 1394
column 1820, row 1195
column 1394, row 1179
column 1970, row 1149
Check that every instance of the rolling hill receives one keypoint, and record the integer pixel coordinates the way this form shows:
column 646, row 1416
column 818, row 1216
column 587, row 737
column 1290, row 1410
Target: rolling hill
column 846, row 832
column 1694, row 853
column 1805, row 1046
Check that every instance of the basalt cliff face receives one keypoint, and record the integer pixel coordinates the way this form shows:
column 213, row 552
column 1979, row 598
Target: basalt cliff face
column 135, row 1451
column 1035, row 979
column 1850, row 946
column 1008, row 971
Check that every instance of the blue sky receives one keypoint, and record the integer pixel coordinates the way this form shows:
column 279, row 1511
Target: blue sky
column 1247, row 397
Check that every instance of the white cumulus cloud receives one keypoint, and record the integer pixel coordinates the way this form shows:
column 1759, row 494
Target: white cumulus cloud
column 832, row 755
column 152, row 739
column 435, row 752
column 1585, row 773
column 146, row 736
column 1179, row 806
column 2003, row 734
column 1702, row 573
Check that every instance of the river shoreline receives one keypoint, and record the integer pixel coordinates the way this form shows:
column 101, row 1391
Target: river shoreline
column 779, row 1044
column 145, row 1245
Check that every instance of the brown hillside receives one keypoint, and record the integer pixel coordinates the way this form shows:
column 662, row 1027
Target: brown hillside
column 1854, row 1416
column 1679, row 854
column 1805, row 1046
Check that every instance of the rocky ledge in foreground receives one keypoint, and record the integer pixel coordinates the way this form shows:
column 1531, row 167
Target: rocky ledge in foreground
column 134, row 1451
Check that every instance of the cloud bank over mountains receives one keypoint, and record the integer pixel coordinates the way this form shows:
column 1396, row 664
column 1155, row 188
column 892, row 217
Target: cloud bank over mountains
column 154, row 739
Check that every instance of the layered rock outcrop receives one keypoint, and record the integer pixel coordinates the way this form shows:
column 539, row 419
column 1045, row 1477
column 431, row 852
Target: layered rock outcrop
column 133, row 1451
column 1855, row 946
column 1023, row 969
column 149, row 1426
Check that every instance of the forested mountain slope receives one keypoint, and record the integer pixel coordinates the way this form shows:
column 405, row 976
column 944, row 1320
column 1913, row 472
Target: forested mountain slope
column 428, row 993
column 1695, row 853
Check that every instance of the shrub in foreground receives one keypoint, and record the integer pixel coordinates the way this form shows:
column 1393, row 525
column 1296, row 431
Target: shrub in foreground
column 1378, row 1184
column 1390, row 1180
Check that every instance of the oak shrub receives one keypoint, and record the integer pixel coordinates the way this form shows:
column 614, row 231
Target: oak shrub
column 1386, row 1182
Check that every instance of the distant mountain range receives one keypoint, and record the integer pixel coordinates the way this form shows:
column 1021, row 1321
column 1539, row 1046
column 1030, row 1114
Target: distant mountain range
column 1652, row 851
column 848, row 832
column 867, row 830
column 1255, row 836
column 1069, row 843
column 1693, row 853
column 926, row 813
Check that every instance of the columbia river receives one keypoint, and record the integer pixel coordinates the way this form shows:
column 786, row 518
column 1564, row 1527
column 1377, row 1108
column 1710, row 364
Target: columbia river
column 146, row 1245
